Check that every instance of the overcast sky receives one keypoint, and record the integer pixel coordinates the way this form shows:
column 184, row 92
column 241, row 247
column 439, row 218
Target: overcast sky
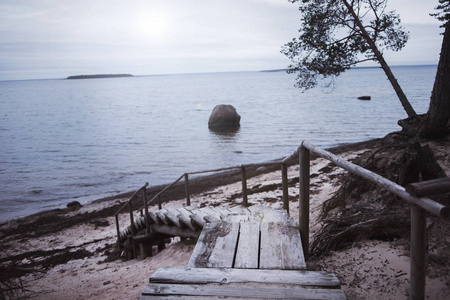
column 58, row 38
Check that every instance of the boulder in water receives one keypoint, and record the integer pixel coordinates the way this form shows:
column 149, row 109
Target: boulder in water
column 224, row 116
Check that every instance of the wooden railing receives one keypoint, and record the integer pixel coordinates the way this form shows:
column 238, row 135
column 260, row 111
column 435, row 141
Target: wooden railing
column 243, row 169
column 419, row 207
column 142, row 192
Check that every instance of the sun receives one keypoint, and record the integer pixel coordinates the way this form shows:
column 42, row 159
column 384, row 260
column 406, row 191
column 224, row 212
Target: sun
column 152, row 25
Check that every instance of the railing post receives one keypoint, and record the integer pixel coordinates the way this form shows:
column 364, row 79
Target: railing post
column 159, row 202
column 144, row 196
column 133, row 231
column 244, row 186
column 118, row 231
column 284, row 179
column 418, row 253
column 186, row 183
column 304, row 163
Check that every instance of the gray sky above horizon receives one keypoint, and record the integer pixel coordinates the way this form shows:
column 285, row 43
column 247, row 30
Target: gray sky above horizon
column 59, row 38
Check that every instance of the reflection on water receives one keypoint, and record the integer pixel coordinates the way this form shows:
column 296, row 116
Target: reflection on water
column 225, row 133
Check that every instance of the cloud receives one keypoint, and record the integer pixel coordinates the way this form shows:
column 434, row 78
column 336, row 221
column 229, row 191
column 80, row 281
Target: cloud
column 59, row 37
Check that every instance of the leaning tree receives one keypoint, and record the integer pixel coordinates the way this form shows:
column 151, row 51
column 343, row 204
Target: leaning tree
column 435, row 124
column 338, row 34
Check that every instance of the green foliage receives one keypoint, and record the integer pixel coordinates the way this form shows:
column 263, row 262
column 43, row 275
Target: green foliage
column 331, row 42
column 444, row 14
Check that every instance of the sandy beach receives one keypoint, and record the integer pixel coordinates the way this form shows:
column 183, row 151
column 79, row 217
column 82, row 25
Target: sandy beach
column 71, row 254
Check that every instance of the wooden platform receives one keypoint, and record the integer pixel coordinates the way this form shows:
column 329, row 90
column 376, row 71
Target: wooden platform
column 249, row 245
column 244, row 253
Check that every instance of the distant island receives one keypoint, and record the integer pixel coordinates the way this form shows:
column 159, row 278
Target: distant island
column 276, row 70
column 99, row 76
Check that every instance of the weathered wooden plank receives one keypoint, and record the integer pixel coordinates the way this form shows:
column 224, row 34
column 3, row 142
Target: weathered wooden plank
column 224, row 250
column 171, row 215
column 202, row 249
column 161, row 214
column 281, row 247
column 429, row 187
column 214, row 245
column 243, row 291
column 268, row 214
column 153, row 217
column 226, row 275
column 210, row 212
column 175, row 297
column 247, row 254
column 222, row 210
column 197, row 218
column 184, row 217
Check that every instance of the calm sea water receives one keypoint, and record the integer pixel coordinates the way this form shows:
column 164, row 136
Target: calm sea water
column 65, row 140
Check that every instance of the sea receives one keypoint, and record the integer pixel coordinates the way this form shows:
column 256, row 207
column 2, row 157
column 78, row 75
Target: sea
column 64, row 140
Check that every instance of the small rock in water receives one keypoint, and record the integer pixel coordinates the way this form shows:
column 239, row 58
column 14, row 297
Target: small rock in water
column 364, row 98
column 238, row 151
column 74, row 205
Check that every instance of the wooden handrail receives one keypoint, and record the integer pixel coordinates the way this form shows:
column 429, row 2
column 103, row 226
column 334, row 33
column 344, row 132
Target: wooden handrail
column 131, row 199
column 429, row 187
column 419, row 206
column 428, row 204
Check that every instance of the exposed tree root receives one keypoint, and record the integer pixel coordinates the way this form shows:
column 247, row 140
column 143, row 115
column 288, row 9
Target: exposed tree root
column 361, row 210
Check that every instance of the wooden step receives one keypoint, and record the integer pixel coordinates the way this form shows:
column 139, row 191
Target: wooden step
column 226, row 275
column 249, row 245
column 208, row 283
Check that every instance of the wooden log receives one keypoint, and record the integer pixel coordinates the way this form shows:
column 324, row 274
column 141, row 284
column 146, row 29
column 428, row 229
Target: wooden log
column 162, row 217
column 418, row 253
column 153, row 217
column 184, row 217
column 304, row 162
column 284, row 179
column 429, row 187
column 426, row 203
column 247, row 254
column 171, row 215
column 244, row 186
column 242, row 291
column 198, row 220
column 144, row 197
column 119, row 240
column 186, row 183
column 226, row 276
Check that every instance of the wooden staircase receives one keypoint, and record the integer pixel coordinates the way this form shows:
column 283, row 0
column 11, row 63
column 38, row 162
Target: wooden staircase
column 241, row 253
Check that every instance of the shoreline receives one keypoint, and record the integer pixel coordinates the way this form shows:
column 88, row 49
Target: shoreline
column 196, row 184
column 71, row 253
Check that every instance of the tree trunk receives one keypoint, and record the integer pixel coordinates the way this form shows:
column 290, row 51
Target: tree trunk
column 401, row 96
column 435, row 124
